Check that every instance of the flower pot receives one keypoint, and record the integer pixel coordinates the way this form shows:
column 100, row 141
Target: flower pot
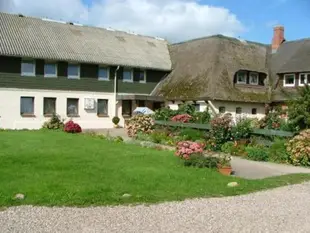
column 225, row 170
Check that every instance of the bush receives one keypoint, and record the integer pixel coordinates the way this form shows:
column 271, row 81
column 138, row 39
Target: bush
column 242, row 129
column 164, row 114
column 191, row 134
column 197, row 160
column 54, row 123
column 186, row 148
column 188, row 109
column 201, row 117
column 277, row 152
column 272, row 120
column 299, row 149
column 139, row 123
column 184, row 118
column 71, row 127
column 299, row 109
column 159, row 137
column 115, row 120
column 257, row 153
column 227, row 147
column 221, row 130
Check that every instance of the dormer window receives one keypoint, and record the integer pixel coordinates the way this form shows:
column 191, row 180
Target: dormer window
column 253, row 78
column 289, row 80
column 241, row 78
column 304, row 79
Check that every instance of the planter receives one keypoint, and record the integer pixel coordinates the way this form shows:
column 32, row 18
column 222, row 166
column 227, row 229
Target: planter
column 225, row 170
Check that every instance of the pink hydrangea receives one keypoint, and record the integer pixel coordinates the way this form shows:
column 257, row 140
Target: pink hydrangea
column 184, row 118
column 186, row 148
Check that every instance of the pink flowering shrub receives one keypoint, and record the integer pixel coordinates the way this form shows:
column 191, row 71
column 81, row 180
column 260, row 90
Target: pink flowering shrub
column 71, row 127
column 187, row 148
column 184, row 118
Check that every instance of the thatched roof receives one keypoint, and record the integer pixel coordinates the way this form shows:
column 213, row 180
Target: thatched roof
column 205, row 69
column 42, row 38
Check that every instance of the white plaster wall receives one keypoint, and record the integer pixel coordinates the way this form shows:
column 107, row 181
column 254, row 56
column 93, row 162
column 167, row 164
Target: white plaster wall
column 230, row 107
column 10, row 117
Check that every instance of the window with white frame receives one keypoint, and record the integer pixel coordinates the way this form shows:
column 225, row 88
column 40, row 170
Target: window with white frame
column 289, row 80
column 127, row 75
column 241, row 78
column 304, row 79
column 72, row 107
column 103, row 73
column 28, row 68
column 49, row 106
column 50, row 69
column 254, row 78
column 73, row 71
column 102, row 107
column 142, row 76
column 26, row 106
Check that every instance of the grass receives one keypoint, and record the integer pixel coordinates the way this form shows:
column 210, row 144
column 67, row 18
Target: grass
column 58, row 169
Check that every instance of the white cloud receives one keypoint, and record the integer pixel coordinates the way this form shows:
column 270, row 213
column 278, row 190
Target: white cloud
column 175, row 20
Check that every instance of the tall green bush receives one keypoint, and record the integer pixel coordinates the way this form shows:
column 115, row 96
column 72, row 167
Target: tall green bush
column 242, row 129
column 277, row 152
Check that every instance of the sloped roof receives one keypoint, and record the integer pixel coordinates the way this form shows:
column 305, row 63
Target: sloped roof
column 205, row 69
column 37, row 38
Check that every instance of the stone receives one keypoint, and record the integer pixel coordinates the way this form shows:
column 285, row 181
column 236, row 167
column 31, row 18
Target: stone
column 19, row 196
column 232, row 184
column 126, row 195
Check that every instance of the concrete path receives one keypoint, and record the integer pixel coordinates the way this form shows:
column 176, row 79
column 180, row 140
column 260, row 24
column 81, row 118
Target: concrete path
column 258, row 170
column 282, row 210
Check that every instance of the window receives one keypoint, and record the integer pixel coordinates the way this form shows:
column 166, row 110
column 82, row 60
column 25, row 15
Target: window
column 27, row 106
column 197, row 107
column 254, row 111
column 126, row 107
column 289, row 80
column 103, row 73
column 254, row 78
column 222, row 109
column 142, row 76
column 72, row 107
column 50, row 70
column 241, row 78
column 127, row 75
column 28, row 68
column 238, row 110
column 49, row 106
column 73, row 71
column 102, row 108
column 304, row 79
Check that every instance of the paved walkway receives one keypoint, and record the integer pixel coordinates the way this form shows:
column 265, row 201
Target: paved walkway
column 285, row 209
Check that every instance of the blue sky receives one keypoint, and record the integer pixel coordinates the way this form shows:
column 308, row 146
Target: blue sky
column 178, row 20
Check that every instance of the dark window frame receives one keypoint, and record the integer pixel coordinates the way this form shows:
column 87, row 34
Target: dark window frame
column 102, row 114
column 27, row 114
column 45, row 113
column 77, row 107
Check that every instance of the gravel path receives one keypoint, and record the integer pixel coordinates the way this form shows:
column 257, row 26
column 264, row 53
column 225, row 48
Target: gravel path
column 285, row 209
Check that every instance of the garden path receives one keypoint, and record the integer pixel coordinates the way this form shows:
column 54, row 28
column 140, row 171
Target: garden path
column 284, row 209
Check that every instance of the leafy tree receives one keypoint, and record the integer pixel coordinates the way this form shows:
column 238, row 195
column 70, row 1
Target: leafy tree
column 299, row 109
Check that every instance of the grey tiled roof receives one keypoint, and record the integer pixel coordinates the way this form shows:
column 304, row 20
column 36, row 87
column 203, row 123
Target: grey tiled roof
column 37, row 38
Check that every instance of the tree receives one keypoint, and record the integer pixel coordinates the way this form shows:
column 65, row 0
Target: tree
column 299, row 109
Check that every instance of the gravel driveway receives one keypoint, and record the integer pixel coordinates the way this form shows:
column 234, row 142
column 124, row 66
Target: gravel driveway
column 284, row 209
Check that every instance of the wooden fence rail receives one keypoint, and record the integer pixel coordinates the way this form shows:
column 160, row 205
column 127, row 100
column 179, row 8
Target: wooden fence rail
column 264, row 132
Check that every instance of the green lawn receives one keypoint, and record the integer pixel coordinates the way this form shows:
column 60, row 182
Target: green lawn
column 55, row 168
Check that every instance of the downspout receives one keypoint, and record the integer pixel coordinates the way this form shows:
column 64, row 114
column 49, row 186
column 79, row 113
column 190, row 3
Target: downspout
column 115, row 91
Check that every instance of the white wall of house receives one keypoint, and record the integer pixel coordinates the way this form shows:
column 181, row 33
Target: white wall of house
column 10, row 117
column 230, row 107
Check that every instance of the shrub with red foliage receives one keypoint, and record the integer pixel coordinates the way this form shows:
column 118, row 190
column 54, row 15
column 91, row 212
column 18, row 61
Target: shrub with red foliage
column 187, row 148
column 71, row 127
column 184, row 118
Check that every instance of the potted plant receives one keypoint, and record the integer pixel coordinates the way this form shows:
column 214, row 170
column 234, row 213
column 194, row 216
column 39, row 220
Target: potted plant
column 115, row 121
column 224, row 166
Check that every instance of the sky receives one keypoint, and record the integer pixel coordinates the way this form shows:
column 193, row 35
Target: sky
column 178, row 20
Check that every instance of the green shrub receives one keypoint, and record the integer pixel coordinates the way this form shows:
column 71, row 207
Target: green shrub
column 143, row 136
column 159, row 137
column 239, row 150
column 186, row 109
column 115, row 120
column 191, row 134
column 277, row 152
column 227, row 147
column 164, row 114
column 200, row 161
column 242, row 130
column 201, row 117
column 54, row 123
column 299, row 149
column 221, row 130
column 257, row 153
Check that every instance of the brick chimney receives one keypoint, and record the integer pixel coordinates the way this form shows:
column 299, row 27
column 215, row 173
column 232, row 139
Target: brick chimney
column 278, row 37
